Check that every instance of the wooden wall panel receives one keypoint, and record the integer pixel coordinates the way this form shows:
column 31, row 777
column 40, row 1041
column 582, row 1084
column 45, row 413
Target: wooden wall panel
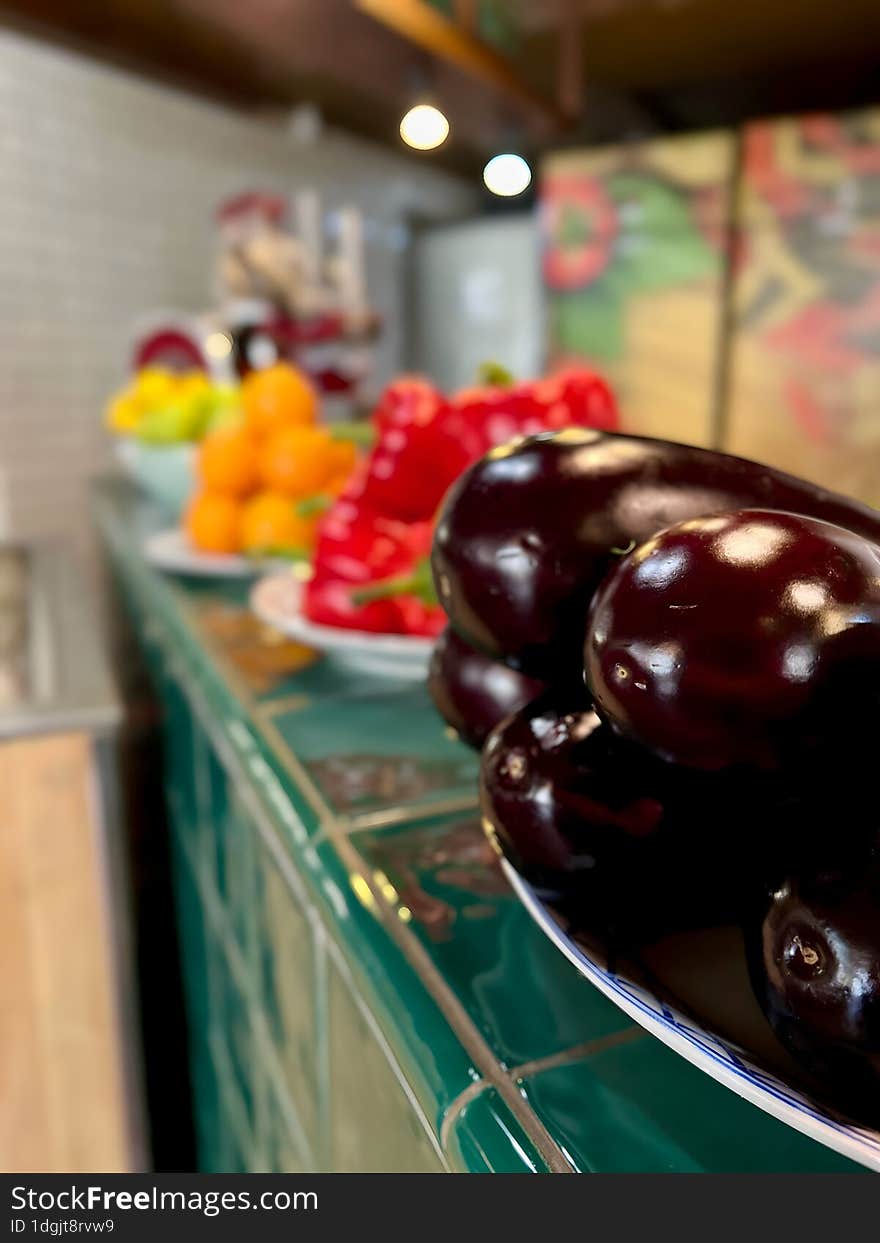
column 61, row 1086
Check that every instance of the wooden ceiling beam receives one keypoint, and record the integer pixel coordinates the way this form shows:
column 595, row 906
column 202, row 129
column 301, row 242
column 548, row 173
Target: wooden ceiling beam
column 428, row 29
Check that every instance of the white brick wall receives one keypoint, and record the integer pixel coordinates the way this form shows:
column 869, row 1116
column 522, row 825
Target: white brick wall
column 107, row 187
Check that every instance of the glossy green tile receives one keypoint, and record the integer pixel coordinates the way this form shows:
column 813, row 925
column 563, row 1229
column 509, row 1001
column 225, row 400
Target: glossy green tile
column 485, row 1138
column 234, row 1150
column 367, row 753
column 327, row 679
column 192, row 936
column 231, row 1037
column 641, row 1107
column 376, row 1125
column 426, row 1041
column 231, row 845
column 453, row 973
column 284, row 1156
column 483, row 942
column 180, row 761
column 288, row 989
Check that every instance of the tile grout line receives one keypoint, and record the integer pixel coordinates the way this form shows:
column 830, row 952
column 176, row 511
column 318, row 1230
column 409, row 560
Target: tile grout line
column 272, row 841
column 413, row 951
column 455, row 1107
column 240, row 688
column 213, row 907
column 334, row 954
column 445, row 998
column 575, row 1053
column 343, row 823
column 283, row 703
column 263, row 714
column 458, row 1019
column 346, row 826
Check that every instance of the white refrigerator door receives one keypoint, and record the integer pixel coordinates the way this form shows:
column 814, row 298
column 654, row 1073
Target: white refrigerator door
column 477, row 297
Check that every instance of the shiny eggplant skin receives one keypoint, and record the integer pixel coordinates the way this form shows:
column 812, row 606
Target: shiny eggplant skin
column 814, row 962
column 748, row 639
column 526, row 535
column 623, row 842
column 473, row 693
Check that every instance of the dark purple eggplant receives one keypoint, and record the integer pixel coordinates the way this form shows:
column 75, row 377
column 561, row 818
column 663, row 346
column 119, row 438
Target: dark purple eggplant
column 527, row 534
column 747, row 639
column 814, row 961
column 473, row 693
column 622, row 841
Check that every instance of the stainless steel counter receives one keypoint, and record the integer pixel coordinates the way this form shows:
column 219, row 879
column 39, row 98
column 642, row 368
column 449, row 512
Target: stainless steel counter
column 53, row 675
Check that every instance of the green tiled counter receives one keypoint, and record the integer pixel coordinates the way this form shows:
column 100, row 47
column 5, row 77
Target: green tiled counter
column 364, row 991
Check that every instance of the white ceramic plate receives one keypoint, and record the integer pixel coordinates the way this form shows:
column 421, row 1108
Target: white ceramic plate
column 171, row 550
column 722, row 1060
column 277, row 600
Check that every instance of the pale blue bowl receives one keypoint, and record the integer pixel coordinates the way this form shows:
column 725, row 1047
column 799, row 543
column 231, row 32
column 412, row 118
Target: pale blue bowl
column 166, row 473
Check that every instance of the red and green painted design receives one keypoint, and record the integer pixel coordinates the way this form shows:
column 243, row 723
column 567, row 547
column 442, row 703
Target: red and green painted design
column 810, row 274
column 610, row 238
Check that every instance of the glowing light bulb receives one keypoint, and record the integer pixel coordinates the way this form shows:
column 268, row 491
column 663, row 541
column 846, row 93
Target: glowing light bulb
column 218, row 345
column 424, row 127
column 507, row 174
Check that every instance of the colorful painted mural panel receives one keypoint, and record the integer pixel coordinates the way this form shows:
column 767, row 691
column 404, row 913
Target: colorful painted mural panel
column 634, row 246
column 805, row 349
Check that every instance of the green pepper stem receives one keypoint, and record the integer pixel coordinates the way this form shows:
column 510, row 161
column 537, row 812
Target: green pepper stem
column 494, row 373
column 280, row 553
column 313, row 506
column 360, row 433
column 417, row 582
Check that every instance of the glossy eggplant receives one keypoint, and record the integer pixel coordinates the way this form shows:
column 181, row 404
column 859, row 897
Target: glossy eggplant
column 814, row 961
column 473, row 693
column 749, row 639
column 526, row 535
column 625, row 843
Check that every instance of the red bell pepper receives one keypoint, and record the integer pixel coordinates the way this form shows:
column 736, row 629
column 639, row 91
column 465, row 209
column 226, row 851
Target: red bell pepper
column 576, row 397
column 422, row 447
column 501, row 410
column 366, row 570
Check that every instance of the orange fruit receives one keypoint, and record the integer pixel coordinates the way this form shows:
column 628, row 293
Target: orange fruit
column 213, row 522
column 270, row 523
column 344, row 455
column 337, row 485
column 279, row 396
column 227, row 462
column 297, row 461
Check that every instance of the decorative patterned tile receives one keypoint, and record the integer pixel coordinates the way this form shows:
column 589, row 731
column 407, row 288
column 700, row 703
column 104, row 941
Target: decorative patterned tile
column 485, row 1138
column 375, row 1123
column 444, row 875
column 639, row 1107
column 374, row 752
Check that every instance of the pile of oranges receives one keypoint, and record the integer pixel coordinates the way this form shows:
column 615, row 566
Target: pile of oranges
column 254, row 475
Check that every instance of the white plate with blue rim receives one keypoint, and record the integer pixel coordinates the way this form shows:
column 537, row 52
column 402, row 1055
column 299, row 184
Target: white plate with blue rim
column 724, row 1060
column 277, row 600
